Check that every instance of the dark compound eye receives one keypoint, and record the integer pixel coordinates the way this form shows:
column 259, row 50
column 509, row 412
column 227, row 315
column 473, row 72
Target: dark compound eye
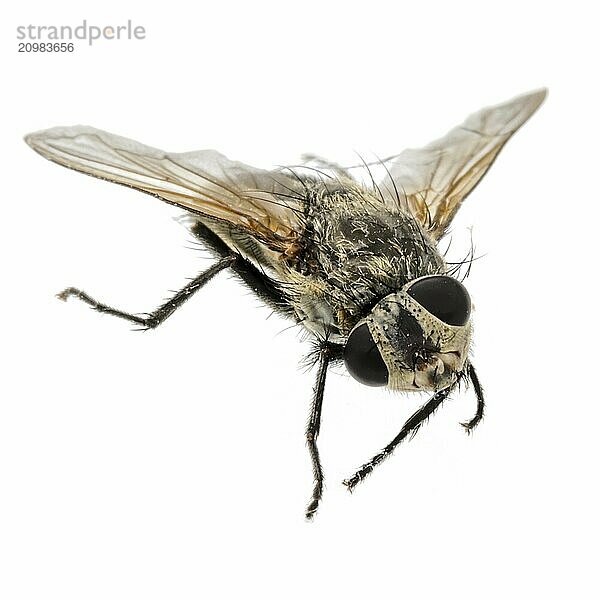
column 363, row 359
column 444, row 297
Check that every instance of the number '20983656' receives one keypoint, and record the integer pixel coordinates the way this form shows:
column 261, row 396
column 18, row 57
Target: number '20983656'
column 46, row 47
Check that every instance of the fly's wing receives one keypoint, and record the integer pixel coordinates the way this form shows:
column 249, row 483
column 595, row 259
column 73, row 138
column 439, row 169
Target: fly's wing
column 434, row 180
column 265, row 204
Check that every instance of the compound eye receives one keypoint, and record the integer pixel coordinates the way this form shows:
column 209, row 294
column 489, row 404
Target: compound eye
column 363, row 359
column 444, row 297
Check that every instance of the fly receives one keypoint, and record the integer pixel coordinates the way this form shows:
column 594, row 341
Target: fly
column 358, row 266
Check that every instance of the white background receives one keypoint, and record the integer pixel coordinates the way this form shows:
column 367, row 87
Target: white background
column 171, row 464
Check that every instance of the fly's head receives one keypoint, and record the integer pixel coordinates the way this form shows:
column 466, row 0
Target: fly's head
column 415, row 339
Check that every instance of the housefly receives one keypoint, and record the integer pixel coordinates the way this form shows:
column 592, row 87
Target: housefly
column 355, row 263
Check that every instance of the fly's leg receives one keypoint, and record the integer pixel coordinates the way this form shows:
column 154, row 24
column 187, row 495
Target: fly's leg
column 470, row 425
column 266, row 289
column 155, row 318
column 410, row 429
column 313, row 428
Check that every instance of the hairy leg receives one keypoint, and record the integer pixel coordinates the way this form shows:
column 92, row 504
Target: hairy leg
column 314, row 426
column 265, row 288
column 155, row 318
column 470, row 425
column 410, row 429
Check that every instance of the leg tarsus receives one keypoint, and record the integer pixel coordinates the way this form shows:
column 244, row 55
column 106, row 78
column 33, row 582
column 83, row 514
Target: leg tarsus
column 155, row 318
column 409, row 429
column 103, row 308
column 471, row 424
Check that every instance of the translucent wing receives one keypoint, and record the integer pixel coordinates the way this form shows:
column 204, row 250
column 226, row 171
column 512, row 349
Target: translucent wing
column 437, row 178
column 265, row 204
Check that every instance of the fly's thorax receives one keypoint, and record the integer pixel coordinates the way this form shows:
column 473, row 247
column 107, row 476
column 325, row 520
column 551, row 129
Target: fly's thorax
column 355, row 253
